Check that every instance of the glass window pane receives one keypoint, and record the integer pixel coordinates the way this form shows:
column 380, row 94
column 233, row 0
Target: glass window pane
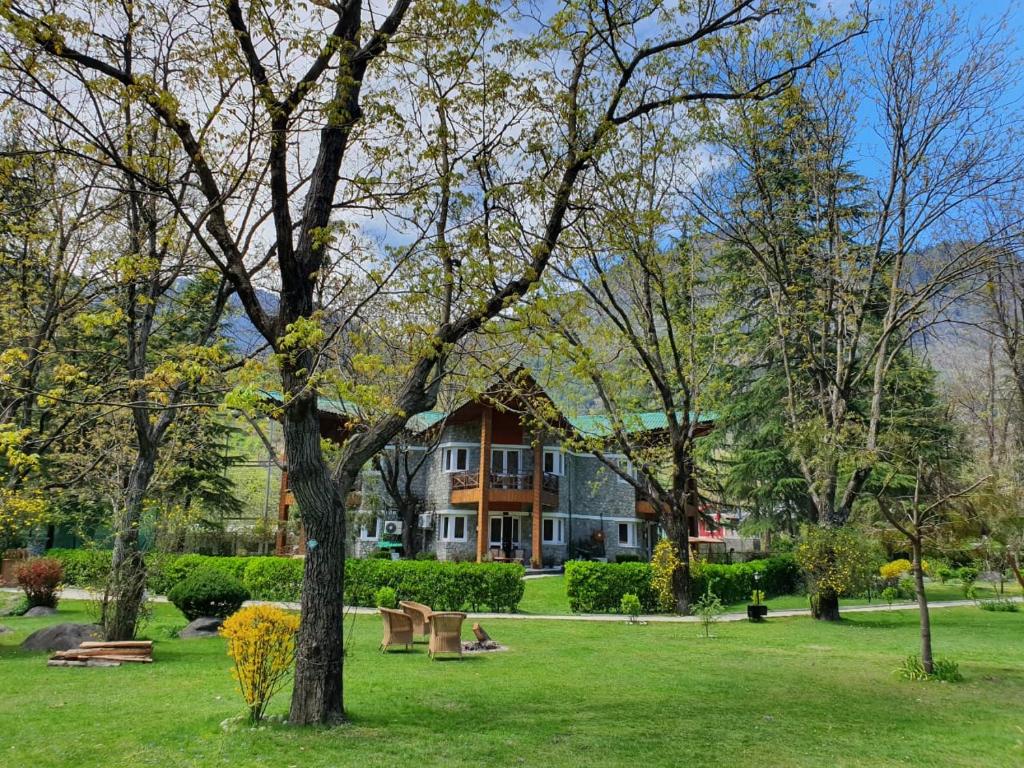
column 549, row 530
column 460, row 527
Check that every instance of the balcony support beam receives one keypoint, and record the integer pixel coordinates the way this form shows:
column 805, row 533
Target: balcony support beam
column 538, row 489
column 486, row 421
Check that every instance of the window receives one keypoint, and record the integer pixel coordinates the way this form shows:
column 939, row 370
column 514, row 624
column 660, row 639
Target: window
column 505, row 461
column 368, row 530
column 504, row 530
column 553, row 530
column 455, row 459
column 627, row 534
column 626, row 466
column 452, row 528
column 554, row 462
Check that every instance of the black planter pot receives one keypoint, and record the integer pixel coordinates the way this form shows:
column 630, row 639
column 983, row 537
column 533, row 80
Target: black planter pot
column 757, row 612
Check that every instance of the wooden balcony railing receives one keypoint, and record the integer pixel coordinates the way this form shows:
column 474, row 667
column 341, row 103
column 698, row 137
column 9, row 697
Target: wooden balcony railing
column 504, row 482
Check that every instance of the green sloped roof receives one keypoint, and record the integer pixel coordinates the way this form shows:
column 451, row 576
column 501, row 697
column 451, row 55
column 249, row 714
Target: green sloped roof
column 600, row 425
column 416, row 423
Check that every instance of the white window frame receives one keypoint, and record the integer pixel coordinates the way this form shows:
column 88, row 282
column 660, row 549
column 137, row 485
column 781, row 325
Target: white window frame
column 446, row 459
column 626, row 465
column 557, row 461
column 557, row 530
column 630, row 534
column 446, row 528
column 364, row 530
column 490, row 529
column 505, row 451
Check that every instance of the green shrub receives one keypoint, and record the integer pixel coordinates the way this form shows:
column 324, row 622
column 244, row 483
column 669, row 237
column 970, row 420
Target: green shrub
column 444, row 586
column 999, row 604
column 386, row 598
column 274, row 578
column 945, row 670
column 628, row 559
column 890, row 595
column 598, row 587
column 630, row 605
column 85, row 568
column 208, row 592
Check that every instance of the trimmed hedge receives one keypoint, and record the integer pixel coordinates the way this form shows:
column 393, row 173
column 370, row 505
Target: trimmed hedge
column 274, row 578
column 441, row 585
column 444, row 586
column 599, row 587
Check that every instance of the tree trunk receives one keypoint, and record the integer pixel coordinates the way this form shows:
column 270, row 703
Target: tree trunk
column 127, row 586
column 1015, row 567
column 682, row 583
column 825, row 606
column 409, row 514
column 317, row 695
column 922, row 605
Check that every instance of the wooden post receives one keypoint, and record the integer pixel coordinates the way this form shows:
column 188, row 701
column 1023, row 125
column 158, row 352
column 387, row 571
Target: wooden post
column 281, row 539
column 537, row 560
column 485, row 482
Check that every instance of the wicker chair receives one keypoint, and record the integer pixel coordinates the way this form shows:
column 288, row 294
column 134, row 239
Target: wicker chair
column 397, row 629
column 420, row 615
column 446, row 633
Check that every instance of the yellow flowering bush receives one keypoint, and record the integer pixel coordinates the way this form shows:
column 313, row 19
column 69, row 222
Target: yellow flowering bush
column 664, row 563
column 261, row 642
column 894, row 571
column 897, row 569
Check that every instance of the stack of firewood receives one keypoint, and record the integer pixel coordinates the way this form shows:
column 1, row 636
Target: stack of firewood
column 100, row 654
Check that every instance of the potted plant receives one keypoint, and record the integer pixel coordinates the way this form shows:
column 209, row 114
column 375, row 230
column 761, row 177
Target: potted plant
column 756, row 611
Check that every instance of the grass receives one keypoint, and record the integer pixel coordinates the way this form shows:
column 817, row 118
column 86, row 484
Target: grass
column 546, row 595
column 788, row 692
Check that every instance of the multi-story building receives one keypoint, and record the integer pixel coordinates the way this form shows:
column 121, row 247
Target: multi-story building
column 491, row 486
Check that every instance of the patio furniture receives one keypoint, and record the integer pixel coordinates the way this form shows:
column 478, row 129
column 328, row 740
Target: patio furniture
column 397, row 629
column 446, row 633
column 498, row 555
column 420, row 615
column 519, row 556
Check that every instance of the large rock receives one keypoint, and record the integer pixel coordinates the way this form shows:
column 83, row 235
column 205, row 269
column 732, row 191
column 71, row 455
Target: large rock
column 204, row 626
column 61, row 637
column 39, row 611
column 4, row 630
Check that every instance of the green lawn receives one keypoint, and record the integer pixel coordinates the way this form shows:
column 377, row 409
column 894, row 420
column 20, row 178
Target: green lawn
column 788, row 692
column 546, row 595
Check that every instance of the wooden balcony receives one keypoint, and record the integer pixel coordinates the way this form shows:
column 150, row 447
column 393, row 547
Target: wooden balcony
column 516, row 489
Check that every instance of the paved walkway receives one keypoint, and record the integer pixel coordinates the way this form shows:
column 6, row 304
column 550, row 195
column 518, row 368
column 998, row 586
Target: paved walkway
column 81, row 594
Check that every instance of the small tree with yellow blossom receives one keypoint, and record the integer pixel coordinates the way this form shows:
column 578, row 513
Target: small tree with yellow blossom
column 837, row 562
column 261, row 642
column 664, row 563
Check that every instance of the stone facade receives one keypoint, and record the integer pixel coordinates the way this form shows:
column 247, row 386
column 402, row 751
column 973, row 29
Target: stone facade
column 593, row 502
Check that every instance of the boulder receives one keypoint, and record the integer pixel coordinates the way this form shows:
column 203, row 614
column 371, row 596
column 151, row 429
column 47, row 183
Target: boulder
column 4, row 630
column 39, row 611
column 61, row 637
column 204, row 626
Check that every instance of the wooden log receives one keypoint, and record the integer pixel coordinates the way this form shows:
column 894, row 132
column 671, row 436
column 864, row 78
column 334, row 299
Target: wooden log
column 117, row 644
column 481, row 634
column 86, row 652
column 89, row 663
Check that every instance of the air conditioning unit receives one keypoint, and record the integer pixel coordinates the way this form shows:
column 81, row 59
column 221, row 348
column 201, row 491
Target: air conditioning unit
column 393, row 527
column 426, row 521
